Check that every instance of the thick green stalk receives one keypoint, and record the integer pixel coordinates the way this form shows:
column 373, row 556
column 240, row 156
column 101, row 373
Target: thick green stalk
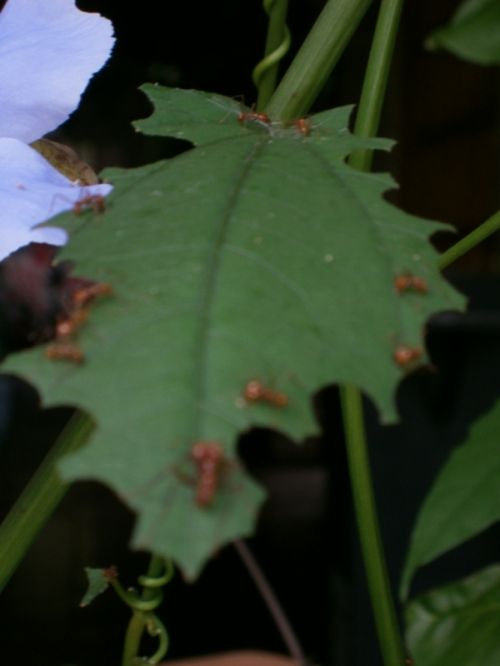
column 39, row 499
column 375, row 81
column 367, row 121
column 297, row 91
column 369, row 533
column 470, row 241
column 311, row 67
column 277, row 44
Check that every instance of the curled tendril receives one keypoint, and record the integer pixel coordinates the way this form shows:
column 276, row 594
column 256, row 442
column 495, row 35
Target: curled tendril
column 134, row 600
column 156, row 629
column 152, row 601
column 158, row 581
column 145, row 604
column 279, row 52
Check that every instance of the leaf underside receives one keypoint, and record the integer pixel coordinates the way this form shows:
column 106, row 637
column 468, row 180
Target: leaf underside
column 464, row 499
column 257, row 255
column 458, row 623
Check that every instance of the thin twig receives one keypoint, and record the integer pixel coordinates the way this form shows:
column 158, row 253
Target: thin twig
column 271, row 601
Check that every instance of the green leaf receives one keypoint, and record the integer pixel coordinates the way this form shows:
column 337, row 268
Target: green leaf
column 463, row 501
column 458, row 624
column 473, row 33
column 97, row 583
column 259, row 255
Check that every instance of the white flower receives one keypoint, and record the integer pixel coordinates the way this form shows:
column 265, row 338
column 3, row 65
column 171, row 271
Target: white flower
column 49, row 50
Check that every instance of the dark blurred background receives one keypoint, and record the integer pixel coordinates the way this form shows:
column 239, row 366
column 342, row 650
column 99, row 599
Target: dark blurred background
column 444, row 114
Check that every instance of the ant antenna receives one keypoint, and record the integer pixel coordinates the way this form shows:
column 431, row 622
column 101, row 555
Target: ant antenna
column 271, row 601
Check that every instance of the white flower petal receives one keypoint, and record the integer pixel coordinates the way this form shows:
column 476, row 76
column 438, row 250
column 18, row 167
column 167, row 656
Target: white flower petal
column 31, row 192
column 49, row 49
column 49, row 235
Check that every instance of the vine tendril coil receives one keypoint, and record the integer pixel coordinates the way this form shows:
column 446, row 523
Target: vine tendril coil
column 156, row 629
column 145, row 604
column 158, row 581
column 277, row 45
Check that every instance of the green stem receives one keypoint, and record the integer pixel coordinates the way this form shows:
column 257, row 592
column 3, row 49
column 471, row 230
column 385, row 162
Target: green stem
column 277, row 44
column 296, row 93
column 470, row 241
column 372, row 96
column 368, row 528
column 311, row 67
column 39, row 499
column 375, row 81
column 139, row 618
column 133, row 637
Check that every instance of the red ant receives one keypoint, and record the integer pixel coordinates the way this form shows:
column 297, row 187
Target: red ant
column 64, row 351
column 210, row 462
column 405, row 356
column 409, row 282
column 64, row 347
column 78, row 312
column 86, row 294
column 110, row 573
column 245, row 116
column 68, row 325
column 94, row 202
column 303, row 125
column 254, row 391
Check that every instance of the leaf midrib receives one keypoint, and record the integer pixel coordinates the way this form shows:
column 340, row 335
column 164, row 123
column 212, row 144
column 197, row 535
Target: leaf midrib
column 201, row 344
